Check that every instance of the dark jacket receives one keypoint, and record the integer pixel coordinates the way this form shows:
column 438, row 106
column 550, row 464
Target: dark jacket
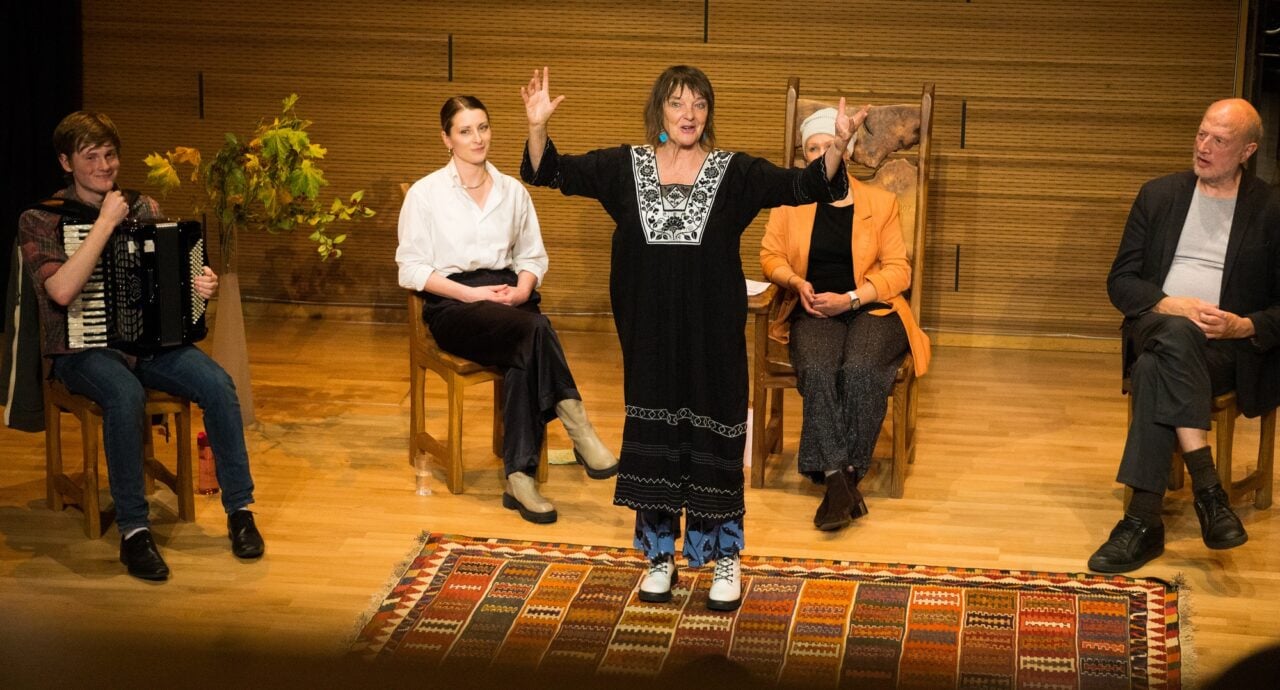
column 1250, row 274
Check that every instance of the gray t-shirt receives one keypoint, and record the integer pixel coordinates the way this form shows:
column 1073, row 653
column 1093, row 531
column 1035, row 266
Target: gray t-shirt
column 1197, row 264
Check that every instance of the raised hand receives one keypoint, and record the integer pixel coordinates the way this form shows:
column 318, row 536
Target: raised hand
column 538, row 104
column 847, row 125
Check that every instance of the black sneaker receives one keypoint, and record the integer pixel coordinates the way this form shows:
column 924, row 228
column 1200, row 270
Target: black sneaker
column 1219, row 526
column 140, row 555
column 1131, row 545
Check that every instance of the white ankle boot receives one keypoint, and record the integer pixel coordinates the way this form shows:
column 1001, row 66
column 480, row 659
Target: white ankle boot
column 656, row 584
column 522, row 495
column 726, row 584
column 588, row 449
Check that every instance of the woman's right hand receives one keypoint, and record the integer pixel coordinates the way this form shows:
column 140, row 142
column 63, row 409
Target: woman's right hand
column 538, row 104
column 805, row 289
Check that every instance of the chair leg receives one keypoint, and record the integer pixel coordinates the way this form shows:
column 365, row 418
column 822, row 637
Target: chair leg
column 89, row 433
column 542, row 462
column 454, row 440
column 759, row 424
column 1177, row 474
column 1266, row 460
column 185, row 475
column 1225, row 425
column 900, row 402
column 499, row 409
column 775, row 422
column 52, row 456
column 913, row 387
column 148, row 456
column 417, row 408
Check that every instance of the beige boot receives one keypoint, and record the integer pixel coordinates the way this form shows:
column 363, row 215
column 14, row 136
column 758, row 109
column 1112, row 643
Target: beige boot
column 588, row 449
column 522, row 495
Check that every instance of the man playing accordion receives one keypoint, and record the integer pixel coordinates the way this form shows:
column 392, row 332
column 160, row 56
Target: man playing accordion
column 88, row 148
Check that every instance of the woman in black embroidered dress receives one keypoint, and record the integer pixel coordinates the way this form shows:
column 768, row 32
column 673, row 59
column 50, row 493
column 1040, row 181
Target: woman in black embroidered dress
column 679, row 302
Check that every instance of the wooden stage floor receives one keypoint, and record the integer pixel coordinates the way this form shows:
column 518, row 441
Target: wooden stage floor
column 1015, row 468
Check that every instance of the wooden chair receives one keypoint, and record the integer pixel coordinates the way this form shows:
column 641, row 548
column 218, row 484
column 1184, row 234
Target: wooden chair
column 1224, row 411
column 902, row 170
column 62, row 488
column 458, row 373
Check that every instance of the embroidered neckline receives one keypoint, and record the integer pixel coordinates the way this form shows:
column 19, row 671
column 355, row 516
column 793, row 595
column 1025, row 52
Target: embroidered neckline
column 676, row 214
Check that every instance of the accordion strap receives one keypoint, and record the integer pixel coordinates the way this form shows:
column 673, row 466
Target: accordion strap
column 72, row 208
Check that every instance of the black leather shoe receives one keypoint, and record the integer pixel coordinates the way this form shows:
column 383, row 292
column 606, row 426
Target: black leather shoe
column 246, row 540
column 140, row 555
column 1219, row 526
column 1132, row 543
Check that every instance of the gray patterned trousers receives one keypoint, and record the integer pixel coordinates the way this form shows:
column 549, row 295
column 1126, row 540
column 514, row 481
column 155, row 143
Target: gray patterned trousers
column 845, row 367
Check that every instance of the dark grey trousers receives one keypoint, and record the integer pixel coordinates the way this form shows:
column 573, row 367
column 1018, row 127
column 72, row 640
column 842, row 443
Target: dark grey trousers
column 844, row 370
column 1173, row 380
column 521, row 342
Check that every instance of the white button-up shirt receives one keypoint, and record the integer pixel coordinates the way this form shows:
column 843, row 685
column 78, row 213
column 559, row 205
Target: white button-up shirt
column 443, row 229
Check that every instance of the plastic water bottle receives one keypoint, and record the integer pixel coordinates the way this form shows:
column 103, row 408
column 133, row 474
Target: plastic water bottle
column 422, row 473
column 208, row 481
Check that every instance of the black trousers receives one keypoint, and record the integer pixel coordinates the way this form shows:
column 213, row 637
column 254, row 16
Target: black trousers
column 518, row 340
column 1173, row 379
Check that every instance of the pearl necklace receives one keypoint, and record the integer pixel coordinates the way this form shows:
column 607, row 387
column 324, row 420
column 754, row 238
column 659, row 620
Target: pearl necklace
column 484, row 177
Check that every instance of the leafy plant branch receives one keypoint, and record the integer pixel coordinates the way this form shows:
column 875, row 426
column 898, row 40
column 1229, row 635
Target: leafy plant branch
column 269, row 180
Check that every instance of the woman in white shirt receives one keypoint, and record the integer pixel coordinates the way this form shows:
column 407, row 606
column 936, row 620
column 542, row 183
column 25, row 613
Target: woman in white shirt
column 470, row 241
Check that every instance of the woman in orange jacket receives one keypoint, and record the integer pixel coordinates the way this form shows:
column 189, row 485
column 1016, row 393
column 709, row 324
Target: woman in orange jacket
column 846, row 266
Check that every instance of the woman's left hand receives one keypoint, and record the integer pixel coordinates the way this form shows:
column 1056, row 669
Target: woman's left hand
column 846, row 125
column 206, row 283
column 831, row 303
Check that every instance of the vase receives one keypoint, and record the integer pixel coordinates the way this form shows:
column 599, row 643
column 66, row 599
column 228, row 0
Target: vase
column 230, row 349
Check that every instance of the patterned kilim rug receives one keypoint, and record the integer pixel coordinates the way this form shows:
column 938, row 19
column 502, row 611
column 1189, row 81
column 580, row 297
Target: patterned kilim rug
column 534, row 608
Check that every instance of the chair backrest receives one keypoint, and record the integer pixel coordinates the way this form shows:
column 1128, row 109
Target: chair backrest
column 891, row 151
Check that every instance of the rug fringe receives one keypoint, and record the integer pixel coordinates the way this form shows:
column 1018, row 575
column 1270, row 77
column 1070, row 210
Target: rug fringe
column 375, row 601
column 1186, row 632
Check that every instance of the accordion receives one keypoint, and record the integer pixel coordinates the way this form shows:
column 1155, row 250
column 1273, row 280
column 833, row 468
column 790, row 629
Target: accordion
column 140, row 296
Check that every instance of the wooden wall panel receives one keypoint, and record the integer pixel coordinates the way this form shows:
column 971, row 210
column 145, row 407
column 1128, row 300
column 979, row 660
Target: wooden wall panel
column 1048, row 118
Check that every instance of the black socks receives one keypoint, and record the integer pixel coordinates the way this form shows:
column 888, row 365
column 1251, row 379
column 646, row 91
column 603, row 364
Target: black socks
column 1200, row 466
column 1146, row 505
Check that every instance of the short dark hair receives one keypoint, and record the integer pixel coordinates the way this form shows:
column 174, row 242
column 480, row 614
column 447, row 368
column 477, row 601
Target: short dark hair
column 84, row 129
column 455, row 104
column 669, row 82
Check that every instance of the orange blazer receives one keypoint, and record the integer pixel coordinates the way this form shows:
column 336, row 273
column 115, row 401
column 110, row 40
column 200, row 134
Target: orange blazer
column 879, row 257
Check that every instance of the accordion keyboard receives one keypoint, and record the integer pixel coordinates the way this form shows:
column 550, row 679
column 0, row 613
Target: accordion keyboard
column 87, row 314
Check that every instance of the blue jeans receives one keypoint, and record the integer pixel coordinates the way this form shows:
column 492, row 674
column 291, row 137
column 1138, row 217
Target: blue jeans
column 104, row 377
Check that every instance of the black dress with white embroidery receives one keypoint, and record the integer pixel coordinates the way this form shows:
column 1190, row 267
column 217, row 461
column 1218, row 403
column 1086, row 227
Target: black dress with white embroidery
column 679, row 302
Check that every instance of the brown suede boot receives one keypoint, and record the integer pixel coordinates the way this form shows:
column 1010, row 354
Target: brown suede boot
column 836, row 509
column 859, row 505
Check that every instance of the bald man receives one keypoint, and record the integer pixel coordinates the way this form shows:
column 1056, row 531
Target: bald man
column 1197, row 277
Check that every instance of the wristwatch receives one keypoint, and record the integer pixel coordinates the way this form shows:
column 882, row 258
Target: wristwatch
column 854, row 302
